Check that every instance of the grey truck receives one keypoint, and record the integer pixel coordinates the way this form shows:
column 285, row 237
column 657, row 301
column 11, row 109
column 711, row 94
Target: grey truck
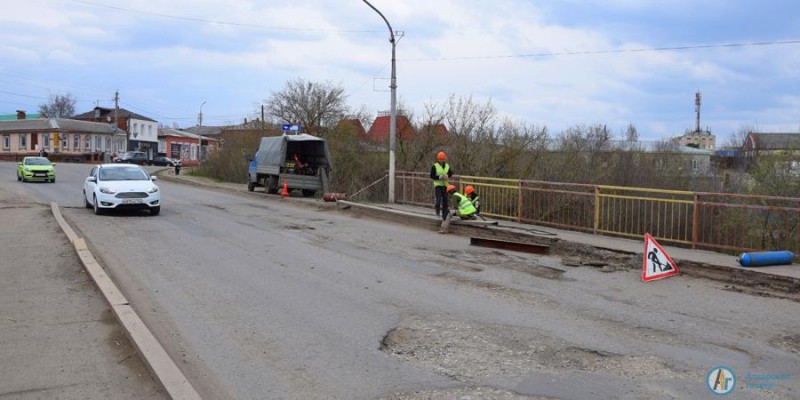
column 301, row 162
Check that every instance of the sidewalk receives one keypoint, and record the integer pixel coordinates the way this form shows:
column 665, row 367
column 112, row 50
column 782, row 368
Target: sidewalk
column 58, row 337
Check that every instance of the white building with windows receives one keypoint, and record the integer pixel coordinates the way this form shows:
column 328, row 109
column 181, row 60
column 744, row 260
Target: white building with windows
column 142, row 131
column 59, row 137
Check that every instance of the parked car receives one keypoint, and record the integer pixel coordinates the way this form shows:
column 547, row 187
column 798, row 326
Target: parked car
column 163, row 161
column 133, row 157
column 36, row 169
column 118, row 186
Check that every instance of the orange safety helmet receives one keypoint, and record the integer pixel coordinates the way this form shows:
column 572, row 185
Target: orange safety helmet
column 469, row 190
column 451, row 188
column 441, row 156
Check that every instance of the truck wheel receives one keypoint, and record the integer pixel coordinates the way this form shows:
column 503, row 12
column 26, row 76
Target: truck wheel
column 271, row 185
column 251, row 186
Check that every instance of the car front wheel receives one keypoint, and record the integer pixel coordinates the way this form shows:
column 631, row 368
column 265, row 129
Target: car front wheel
column 155, row 210
column 86, row 201
column 97, row 209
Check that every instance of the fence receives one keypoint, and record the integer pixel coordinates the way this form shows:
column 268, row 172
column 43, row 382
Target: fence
column 714, row 221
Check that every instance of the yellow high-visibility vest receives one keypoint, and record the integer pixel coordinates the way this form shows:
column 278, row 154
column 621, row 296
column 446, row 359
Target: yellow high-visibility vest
column 440, row 171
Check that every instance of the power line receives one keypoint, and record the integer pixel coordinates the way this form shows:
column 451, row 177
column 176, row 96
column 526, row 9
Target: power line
column 210, row 21
column 23, row 95
column 616, row 51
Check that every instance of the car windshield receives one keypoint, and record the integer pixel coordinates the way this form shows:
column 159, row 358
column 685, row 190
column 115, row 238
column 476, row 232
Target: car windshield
column 37, row 161
column 123, row 174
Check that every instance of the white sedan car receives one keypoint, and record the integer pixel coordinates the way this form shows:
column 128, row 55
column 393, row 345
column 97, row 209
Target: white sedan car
column 121, row 186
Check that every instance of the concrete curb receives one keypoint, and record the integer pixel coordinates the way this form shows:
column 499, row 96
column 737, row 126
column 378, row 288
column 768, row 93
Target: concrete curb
column 155, row 357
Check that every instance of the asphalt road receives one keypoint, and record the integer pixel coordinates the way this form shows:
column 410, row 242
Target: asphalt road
column 256, row 297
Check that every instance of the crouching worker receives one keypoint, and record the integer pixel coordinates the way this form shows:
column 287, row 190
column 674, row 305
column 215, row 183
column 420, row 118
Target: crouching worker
column 464, row 208
column 472, row 195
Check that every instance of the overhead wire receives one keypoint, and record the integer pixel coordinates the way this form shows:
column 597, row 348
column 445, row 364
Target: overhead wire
column 612, row 51
column 219, row 22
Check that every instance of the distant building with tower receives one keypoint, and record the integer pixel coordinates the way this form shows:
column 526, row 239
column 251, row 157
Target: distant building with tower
column 702, row 139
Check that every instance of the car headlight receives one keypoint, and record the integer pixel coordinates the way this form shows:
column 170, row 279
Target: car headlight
column 153, row 189
column 29, row 169
column 107, row 190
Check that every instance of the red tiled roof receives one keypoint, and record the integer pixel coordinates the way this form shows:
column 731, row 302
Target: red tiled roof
column 379, row 131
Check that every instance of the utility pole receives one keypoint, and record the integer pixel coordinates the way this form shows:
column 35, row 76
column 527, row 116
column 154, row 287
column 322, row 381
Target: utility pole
column 200, row 137
column 393, row 117
column 116, row 121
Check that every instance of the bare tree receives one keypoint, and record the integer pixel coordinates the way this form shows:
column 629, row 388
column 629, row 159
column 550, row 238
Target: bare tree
column 58, row 106
column 431, row 137
column 518, row 151
column 471, row 126
column 736, row 139
column 580, row 150
column 631, row 134
column 316, row 107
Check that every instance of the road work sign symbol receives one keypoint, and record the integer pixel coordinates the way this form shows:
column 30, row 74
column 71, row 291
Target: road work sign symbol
column 657, row 263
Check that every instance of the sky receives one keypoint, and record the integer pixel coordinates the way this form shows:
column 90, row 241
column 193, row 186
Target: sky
column 554, row 63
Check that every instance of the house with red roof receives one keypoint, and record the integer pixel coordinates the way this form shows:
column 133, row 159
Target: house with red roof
column 379, row 131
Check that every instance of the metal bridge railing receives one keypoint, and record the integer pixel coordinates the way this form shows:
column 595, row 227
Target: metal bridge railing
column 716, row 221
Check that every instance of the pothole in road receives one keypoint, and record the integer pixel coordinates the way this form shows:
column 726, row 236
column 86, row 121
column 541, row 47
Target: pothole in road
column 578, row 255
column 466, row 351
column 298, row 227
column 463, row 393
column 790, row 343
column 471, row 260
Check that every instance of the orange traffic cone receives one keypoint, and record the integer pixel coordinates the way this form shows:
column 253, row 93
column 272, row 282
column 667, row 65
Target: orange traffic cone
column 285, row 191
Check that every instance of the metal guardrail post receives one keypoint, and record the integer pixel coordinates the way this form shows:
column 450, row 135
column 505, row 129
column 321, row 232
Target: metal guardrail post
column 596, row 224
column 695, row 220
column 519, row 200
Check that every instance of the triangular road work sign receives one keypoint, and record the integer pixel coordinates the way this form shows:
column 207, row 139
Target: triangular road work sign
column 657, row 263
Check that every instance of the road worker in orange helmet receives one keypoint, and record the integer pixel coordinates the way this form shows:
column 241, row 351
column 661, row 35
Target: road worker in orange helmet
column 472, row 195
column 440, row 175
column 465, row 208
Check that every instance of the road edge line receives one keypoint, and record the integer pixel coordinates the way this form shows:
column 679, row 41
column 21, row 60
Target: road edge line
column 156, row 358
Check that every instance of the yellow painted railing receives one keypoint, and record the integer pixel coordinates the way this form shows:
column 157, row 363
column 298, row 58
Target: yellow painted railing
column 694, row 219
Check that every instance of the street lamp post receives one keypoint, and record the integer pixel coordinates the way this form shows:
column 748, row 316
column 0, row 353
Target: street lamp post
column 393, row 109
column 199, row 137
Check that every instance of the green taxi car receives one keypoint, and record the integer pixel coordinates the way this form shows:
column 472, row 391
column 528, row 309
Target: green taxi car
column 36, row 169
